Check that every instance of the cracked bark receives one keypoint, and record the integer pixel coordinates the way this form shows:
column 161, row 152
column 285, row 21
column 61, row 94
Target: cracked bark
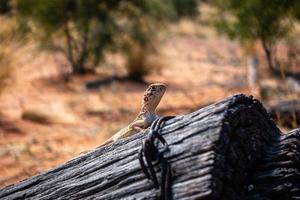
column 228, row 150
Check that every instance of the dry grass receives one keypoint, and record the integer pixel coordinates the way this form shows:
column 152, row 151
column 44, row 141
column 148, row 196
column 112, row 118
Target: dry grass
column 142, row 61
column 9, row 46
column 6, row 70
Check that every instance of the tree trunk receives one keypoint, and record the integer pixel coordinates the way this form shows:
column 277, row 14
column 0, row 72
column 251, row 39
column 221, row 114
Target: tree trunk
column 228, row 150
column 76, row 52
column 78, row 69
column 252, row 75
column 268, row 52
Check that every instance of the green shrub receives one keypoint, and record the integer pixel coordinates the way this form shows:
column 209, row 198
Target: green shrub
column 83, row 29
column 136, row 64
column 265, row 21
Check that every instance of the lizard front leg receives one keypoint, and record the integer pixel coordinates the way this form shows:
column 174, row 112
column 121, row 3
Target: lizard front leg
column 135, row 127
column 131, row 129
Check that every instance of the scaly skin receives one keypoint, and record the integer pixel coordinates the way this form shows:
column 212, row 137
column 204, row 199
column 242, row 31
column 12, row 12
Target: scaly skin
column 146, row 116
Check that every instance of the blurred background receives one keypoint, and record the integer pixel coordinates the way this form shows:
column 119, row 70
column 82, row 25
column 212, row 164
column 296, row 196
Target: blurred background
column 72, row 72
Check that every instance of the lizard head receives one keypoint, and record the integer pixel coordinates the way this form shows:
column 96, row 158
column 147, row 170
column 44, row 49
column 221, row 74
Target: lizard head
column 152, row 96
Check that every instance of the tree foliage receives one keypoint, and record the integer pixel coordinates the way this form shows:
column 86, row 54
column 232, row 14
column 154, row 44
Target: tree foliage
column 145, row 21
column 80, row 29
column 263, row 20
column 5, row 7
column 84, row 29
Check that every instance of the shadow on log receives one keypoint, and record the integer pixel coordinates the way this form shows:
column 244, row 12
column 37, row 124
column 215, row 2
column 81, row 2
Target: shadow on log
column 228, row 150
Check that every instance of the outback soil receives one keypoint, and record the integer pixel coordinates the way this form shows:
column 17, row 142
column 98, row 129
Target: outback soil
column 86, row 110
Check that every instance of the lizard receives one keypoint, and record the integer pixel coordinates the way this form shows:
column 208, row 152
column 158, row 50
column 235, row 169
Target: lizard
column 151, row 99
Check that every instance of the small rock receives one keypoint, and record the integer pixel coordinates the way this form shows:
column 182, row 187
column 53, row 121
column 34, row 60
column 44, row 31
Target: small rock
column 54, row 112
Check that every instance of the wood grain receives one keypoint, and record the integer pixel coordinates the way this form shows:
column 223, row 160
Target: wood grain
column 227, row 150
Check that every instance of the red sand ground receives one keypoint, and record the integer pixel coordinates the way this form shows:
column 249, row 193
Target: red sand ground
column 197, row 71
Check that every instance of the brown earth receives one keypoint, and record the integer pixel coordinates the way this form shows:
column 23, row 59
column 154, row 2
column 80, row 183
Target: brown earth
column 198, row 70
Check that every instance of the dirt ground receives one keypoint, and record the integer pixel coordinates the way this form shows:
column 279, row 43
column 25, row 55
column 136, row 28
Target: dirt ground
column 198, row 70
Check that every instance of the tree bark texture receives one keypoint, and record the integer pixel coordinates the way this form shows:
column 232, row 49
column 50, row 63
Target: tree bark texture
column 227, row 150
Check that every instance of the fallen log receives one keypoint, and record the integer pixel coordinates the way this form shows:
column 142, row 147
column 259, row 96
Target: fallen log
column 227, row 150
column 277, row 175
column 293, row 85
column 286, row 113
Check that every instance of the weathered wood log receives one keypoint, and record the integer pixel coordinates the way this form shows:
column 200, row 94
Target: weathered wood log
column 228, row 150
column 293, row 85
column 286, row 113
column 278, row 174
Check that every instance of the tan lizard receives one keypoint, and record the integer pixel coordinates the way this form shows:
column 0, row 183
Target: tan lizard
column 146, row 116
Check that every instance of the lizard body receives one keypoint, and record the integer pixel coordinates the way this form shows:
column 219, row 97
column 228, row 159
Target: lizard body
column 146, row 116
